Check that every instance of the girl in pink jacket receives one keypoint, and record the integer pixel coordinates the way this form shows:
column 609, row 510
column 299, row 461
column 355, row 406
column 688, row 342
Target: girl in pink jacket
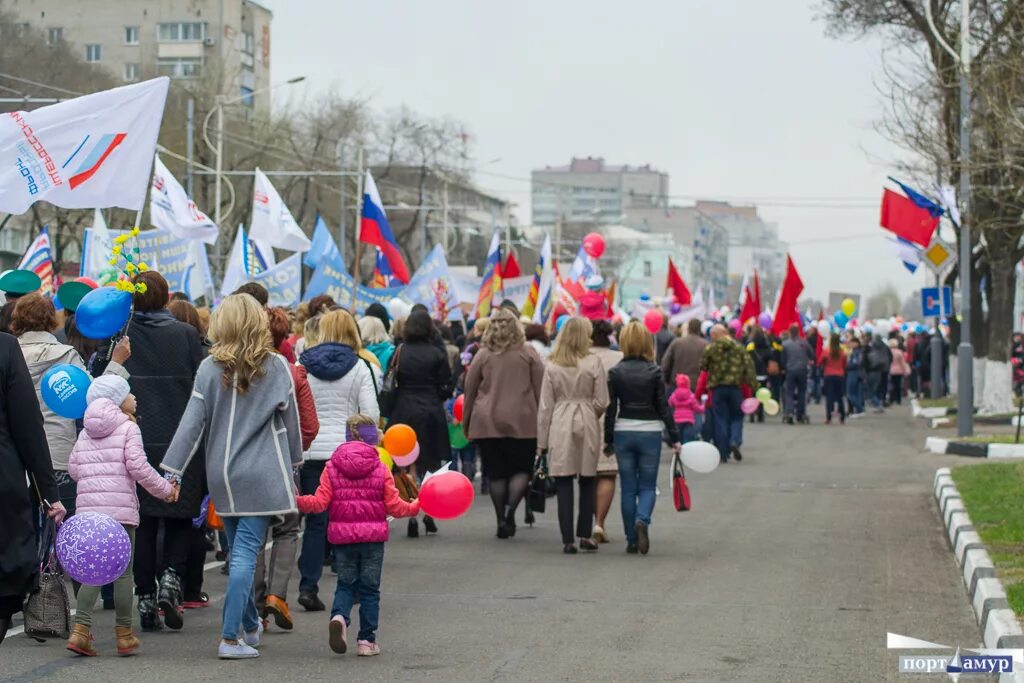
column 358, row 493
column 685, row 406
column 108, row 461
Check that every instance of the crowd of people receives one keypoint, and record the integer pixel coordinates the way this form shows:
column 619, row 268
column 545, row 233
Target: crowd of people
column 272, row 418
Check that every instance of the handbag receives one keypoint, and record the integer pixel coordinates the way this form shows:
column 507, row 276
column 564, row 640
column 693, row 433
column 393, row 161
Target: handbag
column 47, row 610
column 389, row 387
column 541, row 486
column 680, row 490
column 408, row 489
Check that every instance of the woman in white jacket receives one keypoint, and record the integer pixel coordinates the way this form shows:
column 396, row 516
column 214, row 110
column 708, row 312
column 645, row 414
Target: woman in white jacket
column 344, row 384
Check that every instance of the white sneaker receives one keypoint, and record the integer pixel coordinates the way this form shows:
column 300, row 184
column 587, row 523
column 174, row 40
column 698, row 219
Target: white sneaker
column 253, row 639
column 237, row 651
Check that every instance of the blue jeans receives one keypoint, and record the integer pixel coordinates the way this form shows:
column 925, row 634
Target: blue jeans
column 795, row 394
column 639, row 454
column 687, row 432
column 726, row 402
column 359, row 566
column 816, row 384
column 314, row 539
column 245, row 534
column 874, row 381
column 464, row 460
column 853, row 392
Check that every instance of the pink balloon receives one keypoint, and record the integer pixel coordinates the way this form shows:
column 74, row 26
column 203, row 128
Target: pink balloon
column 409, row 458
column 447, row 495
column 734, row 324
column 749, row 405
column 593, row 244
column 653, row 320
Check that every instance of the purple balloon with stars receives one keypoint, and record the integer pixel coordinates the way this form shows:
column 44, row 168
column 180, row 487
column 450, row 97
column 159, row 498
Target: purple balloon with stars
column 93, row 548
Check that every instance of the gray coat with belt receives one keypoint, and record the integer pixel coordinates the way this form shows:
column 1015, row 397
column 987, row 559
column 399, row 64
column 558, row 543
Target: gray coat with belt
column 252, row 440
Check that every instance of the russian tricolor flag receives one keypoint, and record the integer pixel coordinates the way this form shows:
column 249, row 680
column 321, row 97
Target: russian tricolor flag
column 374, row 229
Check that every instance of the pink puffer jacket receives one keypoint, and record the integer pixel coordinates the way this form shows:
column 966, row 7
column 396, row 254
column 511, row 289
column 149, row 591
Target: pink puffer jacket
column 108, row 460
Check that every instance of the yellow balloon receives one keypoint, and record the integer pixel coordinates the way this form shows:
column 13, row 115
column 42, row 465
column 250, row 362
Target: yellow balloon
column 385, row 457
column 849, row 307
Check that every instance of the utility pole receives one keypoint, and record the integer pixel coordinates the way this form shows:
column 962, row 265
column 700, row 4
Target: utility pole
column 444, row 215
column 935, row 343
column 341, row 204
column 190, row 143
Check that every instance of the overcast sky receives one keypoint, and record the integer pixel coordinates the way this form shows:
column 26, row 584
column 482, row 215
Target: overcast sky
column 735, row 99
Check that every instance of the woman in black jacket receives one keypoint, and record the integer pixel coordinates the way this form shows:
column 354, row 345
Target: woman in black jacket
column 165, row 356
column 424, row 384
column 637, row 414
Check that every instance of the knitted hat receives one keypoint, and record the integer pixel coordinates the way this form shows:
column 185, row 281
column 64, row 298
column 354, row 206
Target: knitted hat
column 682, row 381
column 108, row 386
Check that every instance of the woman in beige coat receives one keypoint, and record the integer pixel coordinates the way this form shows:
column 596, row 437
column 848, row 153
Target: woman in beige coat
column 607, row 465
column 573, row 397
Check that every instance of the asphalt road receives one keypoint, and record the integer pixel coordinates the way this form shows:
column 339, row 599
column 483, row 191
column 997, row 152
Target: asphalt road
column 792, row 566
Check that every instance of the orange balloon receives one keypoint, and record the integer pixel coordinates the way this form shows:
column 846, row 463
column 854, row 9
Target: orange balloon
column 399, row 440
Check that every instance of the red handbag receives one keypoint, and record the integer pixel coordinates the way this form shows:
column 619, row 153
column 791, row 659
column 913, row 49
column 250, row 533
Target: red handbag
column 680, row 490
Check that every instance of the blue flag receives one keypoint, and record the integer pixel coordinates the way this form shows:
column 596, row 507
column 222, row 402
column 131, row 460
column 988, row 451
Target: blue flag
column 332, row 278
column 323, row 245
column 920, row 200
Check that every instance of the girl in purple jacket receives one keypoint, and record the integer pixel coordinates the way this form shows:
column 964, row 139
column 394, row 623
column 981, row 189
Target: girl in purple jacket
column 107, row 462
column 358, row 493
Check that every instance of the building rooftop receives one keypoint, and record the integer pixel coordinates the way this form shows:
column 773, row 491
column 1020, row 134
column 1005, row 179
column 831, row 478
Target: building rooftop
column 597, row 165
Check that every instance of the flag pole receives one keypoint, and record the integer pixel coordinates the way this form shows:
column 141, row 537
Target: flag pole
column 358, row 232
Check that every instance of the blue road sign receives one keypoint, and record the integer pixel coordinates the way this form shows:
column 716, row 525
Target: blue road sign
column 936, row 303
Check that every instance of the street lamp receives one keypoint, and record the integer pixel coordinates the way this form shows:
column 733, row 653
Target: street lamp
column 218, row 149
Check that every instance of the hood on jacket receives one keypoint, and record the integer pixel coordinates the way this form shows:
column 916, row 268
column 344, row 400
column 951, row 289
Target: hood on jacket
column 380, row 348
column 329, row 361
column 42, row 348
column 682, row 381
column 355, row 459
column 102, row 417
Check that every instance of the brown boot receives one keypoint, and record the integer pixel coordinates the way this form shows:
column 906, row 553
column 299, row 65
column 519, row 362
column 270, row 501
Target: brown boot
column 80, row 641
column 127, row 642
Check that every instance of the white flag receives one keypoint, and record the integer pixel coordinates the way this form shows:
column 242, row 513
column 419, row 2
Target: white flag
column 271, row 219
column 97, row 245
column 171, row 209
column 947, row 197
column 92, row 151
column 197, row 280
column 545, row 304
column 248, row 258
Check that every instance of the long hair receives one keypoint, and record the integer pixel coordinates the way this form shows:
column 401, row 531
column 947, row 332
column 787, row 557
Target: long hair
column 572, row 344
column 504, row 332
column 241, row 340
column 833, row 347
column 339, row 327
column 372, row 330
column 635, row 341
column 186, row 313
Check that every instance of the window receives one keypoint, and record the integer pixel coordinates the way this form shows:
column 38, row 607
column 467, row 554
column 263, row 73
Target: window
column 248, row 43
column 54, row 35
column 246, row 94
column 131, row 35
column 93, row 52
column 647, row 269
column 131, row 72
column 181, row 31
column 180, row 67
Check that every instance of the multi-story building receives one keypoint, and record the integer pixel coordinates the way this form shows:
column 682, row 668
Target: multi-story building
column 589, row 190
column 753, row 244
column 226, row 43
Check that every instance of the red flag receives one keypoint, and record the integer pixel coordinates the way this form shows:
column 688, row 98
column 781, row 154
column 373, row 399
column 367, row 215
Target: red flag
column 678, row 287
column 511, row 267
column 750, row 307
column 757, row 293
column 908, row 220
column 786, row 313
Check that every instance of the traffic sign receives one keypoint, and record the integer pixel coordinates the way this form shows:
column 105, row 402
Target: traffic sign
column 936, row 303
column 938, row 256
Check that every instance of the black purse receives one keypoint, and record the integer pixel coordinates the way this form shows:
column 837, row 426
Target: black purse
column 541, row 486
column 389, row 387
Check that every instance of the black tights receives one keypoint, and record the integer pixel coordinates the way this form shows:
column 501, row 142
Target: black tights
column 506, row 494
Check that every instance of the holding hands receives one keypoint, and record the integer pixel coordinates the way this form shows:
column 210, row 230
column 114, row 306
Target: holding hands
column 175, row 492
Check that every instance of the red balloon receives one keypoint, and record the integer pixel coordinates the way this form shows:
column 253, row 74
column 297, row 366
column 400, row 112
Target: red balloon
column 593, row 244
column 88, row 280
column 653, row 320
column 447, row 495
column 458, row 407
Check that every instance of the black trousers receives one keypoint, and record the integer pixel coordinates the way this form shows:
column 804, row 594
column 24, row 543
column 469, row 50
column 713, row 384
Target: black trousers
column 896, row 389
column 152, row 557
column 193, row 579
column 588, row 497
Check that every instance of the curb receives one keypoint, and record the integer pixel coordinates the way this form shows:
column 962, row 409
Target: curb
column 974, row 450
column 999, row 625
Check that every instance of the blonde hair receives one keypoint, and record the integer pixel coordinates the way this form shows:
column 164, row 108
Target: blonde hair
column 572, row 343
column 339, row 327
column 311, row 331
column 240, row 332
column 302, row 314
column 503, row 332
column 636, row 341
column 372, row 330
column 480, row 326
column 398, row 328
column 353, row 422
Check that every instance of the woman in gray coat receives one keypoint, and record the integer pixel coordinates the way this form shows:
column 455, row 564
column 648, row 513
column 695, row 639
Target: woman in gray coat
column 243, row 405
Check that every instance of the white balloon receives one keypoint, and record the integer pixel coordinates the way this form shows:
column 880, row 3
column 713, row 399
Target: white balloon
column 700, row 456
column 399, row 309
column 824, row 329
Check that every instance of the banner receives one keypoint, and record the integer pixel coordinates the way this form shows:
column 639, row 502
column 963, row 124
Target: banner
column 96, row 252
column 283, row 281
column 91, row 151
column 248, row 257
column 163, row 251
column 433, row 286
column 170, row 208
column 333, row 279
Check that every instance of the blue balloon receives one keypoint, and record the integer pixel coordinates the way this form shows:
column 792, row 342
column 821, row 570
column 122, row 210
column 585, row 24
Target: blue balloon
column 63, row 388
column 560, row 323
column 841, row 319
column 103, row 312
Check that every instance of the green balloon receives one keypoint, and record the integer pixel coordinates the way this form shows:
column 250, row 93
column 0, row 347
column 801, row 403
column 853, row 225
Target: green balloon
column 763, row 394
